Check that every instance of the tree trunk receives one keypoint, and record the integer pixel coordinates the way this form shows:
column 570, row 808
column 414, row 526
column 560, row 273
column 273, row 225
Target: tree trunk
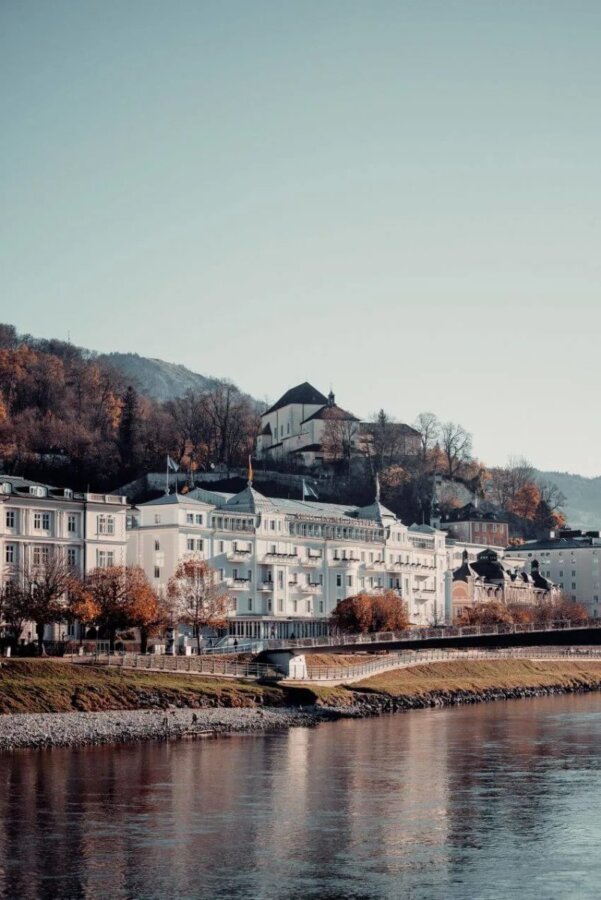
column 198, row 639
column 39, row 630
column 143, row 640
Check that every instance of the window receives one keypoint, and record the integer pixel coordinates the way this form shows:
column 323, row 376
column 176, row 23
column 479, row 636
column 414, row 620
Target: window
column 339, row 580
column 199, row 544
column 349, row 580
column 221, row 546
column 272, row 549
column 190, row 544
column 10, row 553
column 221, row 574
column 250, row 575
column 105, row 559
column 573, row 585
column 199, row 519
column 72, row 556
column 280, row 605
column 321, row 606
column 37, row 520
column 308, row 606
column 280, row 578
column 41, row 555
column 10, row 518
column 106, row 524
column 234, row 604
column 157, row 546
column 71, row 524
column 272, row 525
column 157, row 572
column 250, row 604
column 190, row 518
column 561, row 574
column 157, row 519
column 573, row 573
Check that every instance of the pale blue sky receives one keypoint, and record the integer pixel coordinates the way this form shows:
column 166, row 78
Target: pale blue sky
column 400, row 199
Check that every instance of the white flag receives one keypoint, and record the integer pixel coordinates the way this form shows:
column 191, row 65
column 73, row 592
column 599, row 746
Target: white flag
column 172, row 465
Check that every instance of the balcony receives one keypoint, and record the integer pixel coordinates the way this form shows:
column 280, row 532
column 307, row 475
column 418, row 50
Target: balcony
column 280, row 557
column 312, row 561
column 345, row 562
column 241, row 584
column 313, row 587
column 239, row 555
column 378, row 565
column 266, row 586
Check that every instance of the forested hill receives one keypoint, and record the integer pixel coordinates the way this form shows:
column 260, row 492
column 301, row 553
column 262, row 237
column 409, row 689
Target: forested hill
column 156, row 378
column 583, row 498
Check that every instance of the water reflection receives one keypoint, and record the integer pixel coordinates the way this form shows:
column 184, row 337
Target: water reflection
column 483, row 802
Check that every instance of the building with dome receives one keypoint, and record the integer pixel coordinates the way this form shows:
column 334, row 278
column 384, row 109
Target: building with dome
column 492, row 578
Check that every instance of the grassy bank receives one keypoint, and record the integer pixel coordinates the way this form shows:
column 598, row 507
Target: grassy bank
column 34, row 686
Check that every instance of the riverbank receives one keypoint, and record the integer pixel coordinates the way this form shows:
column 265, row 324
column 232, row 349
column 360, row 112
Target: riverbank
column 55, row 704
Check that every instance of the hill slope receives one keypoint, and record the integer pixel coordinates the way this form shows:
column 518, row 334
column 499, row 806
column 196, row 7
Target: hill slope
column 583, row 507
column 156, row 378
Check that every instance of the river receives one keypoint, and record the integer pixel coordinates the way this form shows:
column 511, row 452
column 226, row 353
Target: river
column 493, row 801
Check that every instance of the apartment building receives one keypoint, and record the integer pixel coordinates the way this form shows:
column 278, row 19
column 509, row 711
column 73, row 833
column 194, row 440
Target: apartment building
column 38, row 521
column 287, row 563
column 570, row 558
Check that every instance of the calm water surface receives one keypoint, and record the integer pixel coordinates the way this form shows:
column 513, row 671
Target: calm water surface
column 494, row 801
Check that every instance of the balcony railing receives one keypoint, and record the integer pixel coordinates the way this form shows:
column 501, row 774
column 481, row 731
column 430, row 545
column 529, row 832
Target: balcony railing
column 312, row 561
column 345, row 561
column 240, row 583
column 266, row 586
column 281, row 557
column 239, row 555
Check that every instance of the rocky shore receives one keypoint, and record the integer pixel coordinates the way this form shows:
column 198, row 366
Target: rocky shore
column 374, row 704
column 77, row 729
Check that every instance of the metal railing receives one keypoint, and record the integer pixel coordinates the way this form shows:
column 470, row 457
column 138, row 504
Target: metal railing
column 195, row 665
column 440, row 633
column 410, row 658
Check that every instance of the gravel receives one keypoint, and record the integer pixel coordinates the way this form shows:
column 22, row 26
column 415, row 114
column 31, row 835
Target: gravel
column 76, row 729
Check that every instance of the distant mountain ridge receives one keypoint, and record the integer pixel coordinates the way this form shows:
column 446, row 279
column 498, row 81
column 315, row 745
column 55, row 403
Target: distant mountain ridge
column 583, row 507
column 156, row 378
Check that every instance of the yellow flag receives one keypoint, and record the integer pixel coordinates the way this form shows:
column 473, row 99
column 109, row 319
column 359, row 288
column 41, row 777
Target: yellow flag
column 250, row 470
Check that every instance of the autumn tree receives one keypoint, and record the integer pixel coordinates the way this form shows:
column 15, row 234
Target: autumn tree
column 45, row 587
column 196, row 598
column 13, row 609
column 365, row 613
column 122, row 597
column 491, row 613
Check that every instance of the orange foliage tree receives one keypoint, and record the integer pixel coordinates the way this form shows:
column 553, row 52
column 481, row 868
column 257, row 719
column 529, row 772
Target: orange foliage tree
column 122, row 597
column 196, row 598
column 493, row 613
column 365, row 613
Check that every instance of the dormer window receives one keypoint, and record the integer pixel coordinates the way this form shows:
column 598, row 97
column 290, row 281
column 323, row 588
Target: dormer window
column 36, row 490
column 5, row 487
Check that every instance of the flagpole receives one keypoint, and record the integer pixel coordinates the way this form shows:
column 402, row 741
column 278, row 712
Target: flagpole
column 167, row 476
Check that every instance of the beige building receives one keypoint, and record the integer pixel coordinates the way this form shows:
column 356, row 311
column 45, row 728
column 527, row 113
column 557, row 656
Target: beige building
column 491, row 578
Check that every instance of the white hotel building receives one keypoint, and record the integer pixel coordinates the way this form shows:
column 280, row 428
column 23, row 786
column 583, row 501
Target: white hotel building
column 288, row 563
column 38, row 521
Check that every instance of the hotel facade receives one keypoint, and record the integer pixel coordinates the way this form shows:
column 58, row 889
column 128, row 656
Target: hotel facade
column 287, row 563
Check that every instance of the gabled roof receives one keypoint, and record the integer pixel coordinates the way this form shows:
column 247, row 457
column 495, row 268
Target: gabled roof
column 331, row 413
column 267, row 430
column 249, row 500
column 304, row 394
column 376, row 512
column 172, row 500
